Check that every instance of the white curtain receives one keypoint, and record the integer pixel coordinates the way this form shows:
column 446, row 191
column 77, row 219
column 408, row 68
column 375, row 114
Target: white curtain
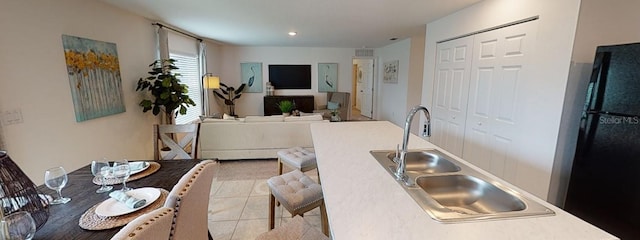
column 162, row 35
column 202, row 57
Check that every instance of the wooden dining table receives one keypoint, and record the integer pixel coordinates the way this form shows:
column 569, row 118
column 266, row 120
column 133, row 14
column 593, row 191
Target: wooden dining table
column 64, row 218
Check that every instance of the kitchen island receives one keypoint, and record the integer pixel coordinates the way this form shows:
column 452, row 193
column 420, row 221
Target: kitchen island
column 365, row 202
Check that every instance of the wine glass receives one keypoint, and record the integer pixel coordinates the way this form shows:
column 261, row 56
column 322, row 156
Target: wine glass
column 19, row 225
column 101, row 169
column 122, row 170
column 56, row 178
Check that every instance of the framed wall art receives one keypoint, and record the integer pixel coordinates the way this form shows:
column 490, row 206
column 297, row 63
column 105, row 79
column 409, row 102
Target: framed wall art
column 390, row 72
column 251, row 74
column 327, row 77
column 94, row 77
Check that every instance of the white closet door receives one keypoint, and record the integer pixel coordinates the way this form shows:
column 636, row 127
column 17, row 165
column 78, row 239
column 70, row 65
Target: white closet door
column 494, row 133
column 448, row 116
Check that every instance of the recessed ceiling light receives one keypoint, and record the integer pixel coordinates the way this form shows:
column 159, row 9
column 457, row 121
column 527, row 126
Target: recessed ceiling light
column 293, row 33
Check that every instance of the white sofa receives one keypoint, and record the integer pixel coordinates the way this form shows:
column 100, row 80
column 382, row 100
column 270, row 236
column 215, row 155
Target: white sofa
column 254, row 137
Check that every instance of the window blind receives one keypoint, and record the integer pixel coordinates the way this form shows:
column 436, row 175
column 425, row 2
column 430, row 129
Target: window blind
column 188, row 69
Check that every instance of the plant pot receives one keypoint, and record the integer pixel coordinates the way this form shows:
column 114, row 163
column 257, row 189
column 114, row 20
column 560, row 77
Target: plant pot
column 286, row 114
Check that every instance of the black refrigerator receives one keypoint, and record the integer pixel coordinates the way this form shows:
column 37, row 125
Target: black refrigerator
column 604, row 188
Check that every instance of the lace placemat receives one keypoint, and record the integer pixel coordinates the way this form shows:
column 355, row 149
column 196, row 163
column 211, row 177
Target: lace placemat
column 92, row 221
column 153, row 167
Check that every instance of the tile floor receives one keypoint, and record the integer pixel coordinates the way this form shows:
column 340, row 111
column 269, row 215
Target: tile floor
column 239, row 209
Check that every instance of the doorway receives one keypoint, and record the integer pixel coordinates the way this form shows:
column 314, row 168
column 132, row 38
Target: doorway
column 362, row 94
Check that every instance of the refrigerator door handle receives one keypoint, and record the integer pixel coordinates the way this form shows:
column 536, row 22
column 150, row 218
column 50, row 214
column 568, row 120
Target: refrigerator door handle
column 597, row 83
column 588, row 126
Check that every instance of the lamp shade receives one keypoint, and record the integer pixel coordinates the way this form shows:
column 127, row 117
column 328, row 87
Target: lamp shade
column 211, row 81
column 18, row 193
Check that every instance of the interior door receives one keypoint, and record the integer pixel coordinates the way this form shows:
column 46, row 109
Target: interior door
column 366, row 103
column 453, row 68
column 494, row 133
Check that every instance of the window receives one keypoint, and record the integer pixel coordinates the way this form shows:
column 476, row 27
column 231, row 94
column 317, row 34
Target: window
column 188, row 69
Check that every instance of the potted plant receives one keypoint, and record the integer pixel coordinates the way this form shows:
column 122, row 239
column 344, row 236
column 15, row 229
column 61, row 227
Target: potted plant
column 230, row 96
column 168, row 93
column 286, row 107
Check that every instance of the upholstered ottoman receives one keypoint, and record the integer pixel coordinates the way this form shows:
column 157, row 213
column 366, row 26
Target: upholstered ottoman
column 297, row 193
column 297, row 158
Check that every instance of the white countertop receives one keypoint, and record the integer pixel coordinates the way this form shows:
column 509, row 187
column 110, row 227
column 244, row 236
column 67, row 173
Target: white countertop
column 364, row 202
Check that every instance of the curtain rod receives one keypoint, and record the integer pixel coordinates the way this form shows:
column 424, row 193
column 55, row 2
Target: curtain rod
column 178, row 31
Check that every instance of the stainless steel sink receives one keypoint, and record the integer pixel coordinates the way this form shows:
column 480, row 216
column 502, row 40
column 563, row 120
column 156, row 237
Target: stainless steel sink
column 469, row 195
column 427, row 162
column 450, row 191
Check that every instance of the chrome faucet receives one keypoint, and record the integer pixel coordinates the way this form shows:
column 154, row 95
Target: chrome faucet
column 401, row 169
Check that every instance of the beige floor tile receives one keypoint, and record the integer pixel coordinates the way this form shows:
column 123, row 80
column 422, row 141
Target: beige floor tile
column 222, row 230
column 225, row 209
column 260, row 188
column 215, row 186
column 256, row 208
column 250, row 229
column 315, row 221
column 241, row 188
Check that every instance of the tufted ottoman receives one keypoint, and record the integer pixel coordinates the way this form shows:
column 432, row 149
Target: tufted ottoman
column 297, row 158
column 298, row 194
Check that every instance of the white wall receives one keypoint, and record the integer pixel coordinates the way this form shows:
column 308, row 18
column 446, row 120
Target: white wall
column 556, row 28
column 252, row 103
column 599, row 23
column 391, row 98
column 35, row 81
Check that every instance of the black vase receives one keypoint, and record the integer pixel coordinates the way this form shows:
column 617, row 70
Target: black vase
column 18, row 193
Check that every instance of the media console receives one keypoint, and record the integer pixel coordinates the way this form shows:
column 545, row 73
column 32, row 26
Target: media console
column 304, row 103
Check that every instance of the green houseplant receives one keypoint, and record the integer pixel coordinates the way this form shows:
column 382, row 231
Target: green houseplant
column 286, row 106
column 168, row 94
column 229, row 95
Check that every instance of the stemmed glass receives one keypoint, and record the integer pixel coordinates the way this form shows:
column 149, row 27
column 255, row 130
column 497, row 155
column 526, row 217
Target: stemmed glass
column 122, row 170
column 101, row 169
column 19, row 225
column 56, row 178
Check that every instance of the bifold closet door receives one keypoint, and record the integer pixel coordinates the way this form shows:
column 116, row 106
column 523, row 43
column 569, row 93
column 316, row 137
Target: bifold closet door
column 494, row 133
column 453, row 68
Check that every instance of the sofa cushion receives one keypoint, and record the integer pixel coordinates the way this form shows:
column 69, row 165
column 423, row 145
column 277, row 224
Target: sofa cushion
column 274, row 118
column 222, row 120
column 315, row 117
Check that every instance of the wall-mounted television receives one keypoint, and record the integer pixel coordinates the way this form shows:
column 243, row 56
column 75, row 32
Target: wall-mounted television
column 290, row 76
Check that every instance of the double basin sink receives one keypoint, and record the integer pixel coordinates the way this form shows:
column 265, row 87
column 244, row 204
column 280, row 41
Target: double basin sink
column 450, row 191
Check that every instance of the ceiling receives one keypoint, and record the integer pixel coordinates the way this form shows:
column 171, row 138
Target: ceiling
column 319, row 23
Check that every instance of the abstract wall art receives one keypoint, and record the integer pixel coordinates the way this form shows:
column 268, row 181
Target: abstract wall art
column 94, row 77
column 390, row 72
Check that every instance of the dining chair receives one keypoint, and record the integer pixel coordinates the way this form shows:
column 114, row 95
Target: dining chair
column 179, row 141
column 190, row 200
column 297, row 228
column 153, row 225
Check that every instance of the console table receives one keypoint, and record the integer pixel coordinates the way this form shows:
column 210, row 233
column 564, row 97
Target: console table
column 304, row 103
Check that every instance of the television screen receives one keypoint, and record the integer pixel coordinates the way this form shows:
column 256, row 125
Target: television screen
column 290, row 76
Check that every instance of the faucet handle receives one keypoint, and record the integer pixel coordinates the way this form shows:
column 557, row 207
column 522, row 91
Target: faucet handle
column 397, row 156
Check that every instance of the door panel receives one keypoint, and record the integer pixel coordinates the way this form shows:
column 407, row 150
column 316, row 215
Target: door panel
column 453, row 65
column 366, row 104
column 495, row 133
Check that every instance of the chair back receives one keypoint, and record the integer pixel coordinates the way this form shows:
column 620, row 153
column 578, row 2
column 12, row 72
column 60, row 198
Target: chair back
column 180, row 140
column 153, row 225
column 344, row 99
column 190, row 200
